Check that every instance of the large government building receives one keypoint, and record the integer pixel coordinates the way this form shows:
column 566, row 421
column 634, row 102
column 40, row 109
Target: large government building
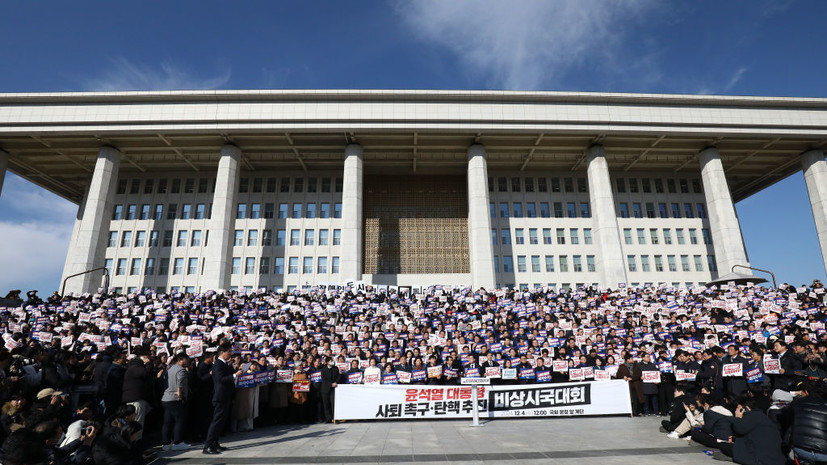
column 198, row 190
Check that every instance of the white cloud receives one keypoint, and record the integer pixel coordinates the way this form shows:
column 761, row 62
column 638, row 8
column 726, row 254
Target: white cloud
column 126, row 75
column 525, row 44
column 33, row 254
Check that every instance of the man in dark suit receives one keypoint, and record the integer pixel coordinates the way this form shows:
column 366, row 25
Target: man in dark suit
column 789, row 366
column 735, row 384
column 330, row 378
column 223, row 376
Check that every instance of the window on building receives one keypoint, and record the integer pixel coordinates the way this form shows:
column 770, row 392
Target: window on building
column 167, row 239
column 518, row 236
column 585, row 211
column 192, row 266
column 196, row 238
column 298, row 185
column 200, row 210
column 532, row 236
column 558, row 209
column 664, row 212
column 555, row 184
column 186, row 211
column 297, row 210
column 508, row 264
column 238, row 238
column 564, row 264
column 687, row 207
column 334, row 265
column 549, row 263
column 561, row 236
column 321, row 265
column 679, row 235
column 590, row 263
column 633, row 185
column 324, row 210
column 311, row 210
column 264, row 265
column 518, row 210
column 711, row 264
column 337, row 210
column 113, row 239
column 644, row 263
column 535, row 263
column 252, row 238
column 624, row 210
column 544, row 210
column 505, row 236
column 630, row 259
column 282, row 211
column 323, row 236
column 309, row 236
column 693, row 237
column 575, row 239
column 278, row 267
column 568, row 184
column 295, row 237
column 159, row 212
column 577, row 264
column 701, row 210
column 203, row 185
column 667, row 236
column 529, row 184
column 140, row 238
column 126, row 239
column 163, row 267
column 627, row 235
column 189, row 186
column 515, row 184
column 135, row 269
column 641, row 237
column 121, row 270
column 250, row 265
column 178, row 266
column 684, row 186
column 672, row 264
column 646, row 184
column 493, row 237
column 637, row 210
column 531, row 210
column 337, row 237
column 587, row 236
column 707, row 237
column 547, row 236
column 620, row 183
column 255, row 211
column 571, row 209
column 266, row 238
column 150, row 267
column 521, row 264
column 658, row 263
column 653, row 236
column 280, row 233
column 698, row 263
column 182, row 239
column 241, row 211
column 307, row 266
column 685, row 263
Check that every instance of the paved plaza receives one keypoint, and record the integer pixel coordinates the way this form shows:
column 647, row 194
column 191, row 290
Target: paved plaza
column 603, row 440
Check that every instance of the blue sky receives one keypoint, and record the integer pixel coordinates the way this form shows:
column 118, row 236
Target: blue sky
column 748, row 47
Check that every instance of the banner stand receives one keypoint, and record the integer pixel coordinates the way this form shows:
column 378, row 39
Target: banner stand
column 474, row 382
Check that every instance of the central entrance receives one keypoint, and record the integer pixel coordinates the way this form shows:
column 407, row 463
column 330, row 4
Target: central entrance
column 415, row 225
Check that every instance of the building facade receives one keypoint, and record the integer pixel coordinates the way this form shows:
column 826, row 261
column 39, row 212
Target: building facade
column 192, row 191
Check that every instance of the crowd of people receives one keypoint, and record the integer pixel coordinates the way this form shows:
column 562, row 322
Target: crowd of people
column 90, row 378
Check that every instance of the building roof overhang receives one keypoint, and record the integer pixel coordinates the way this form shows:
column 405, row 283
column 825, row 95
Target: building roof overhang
column 53, row 138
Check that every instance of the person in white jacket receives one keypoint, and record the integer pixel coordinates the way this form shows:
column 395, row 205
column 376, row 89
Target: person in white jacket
column 373, row 374
column 693, row 419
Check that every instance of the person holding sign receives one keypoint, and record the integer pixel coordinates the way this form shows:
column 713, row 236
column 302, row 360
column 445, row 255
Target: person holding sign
column 542, row 374
column 735, row 384
column 223, row 375
column 373, row 374
column 630, row 371
column 525, row 372
column 649, row 387
column 299, row 396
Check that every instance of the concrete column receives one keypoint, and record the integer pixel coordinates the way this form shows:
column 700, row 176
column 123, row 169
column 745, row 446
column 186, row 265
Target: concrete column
column 726, row 231
column 352, row 237
column 479, row 220
column 218, row 259
column 90, row 244
column 4, row 164
column 609, row 261
column 815, row 175
column 67, row 266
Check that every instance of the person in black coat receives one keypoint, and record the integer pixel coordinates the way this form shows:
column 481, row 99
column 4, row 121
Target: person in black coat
column 789, row 366
column 808, row 422
column 756, row 440
column 330, row 378
column 223, row 375
column 114, row 382
column 202, row 391
column 717, row 423
column 736, row 384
